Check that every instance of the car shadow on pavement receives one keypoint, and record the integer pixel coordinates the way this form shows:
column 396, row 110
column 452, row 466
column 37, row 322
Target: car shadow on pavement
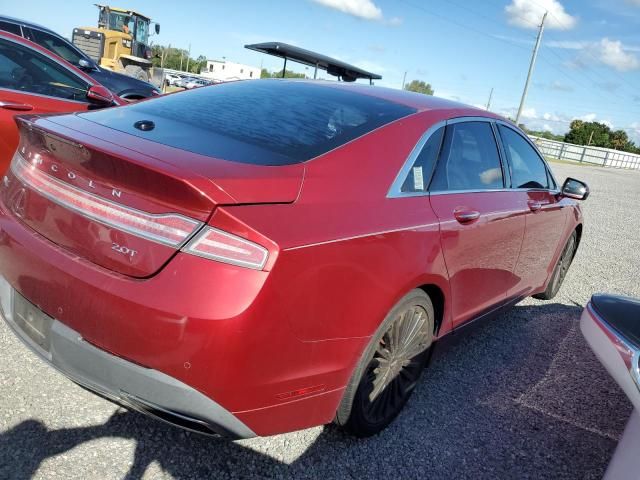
column 520, row 397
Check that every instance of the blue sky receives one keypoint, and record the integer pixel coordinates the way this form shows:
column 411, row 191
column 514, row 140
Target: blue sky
column 588, row 67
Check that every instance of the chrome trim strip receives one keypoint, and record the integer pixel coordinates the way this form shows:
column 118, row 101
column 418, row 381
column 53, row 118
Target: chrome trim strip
column 487, row 190
column 635, row 368
column 453, row 121
column 395, row 191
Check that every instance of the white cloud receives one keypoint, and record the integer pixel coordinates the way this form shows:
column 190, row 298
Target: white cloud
column 589, row 117
column 546, row 127
column 552, row 117
column 365, row 9
column 528, row 14
column 614, row 54
column 567, row 44
column 529, row 113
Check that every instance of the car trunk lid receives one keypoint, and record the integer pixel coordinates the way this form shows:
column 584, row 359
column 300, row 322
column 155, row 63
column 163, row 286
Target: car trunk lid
column 127, row 209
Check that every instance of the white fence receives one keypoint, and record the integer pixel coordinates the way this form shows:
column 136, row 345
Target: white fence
column 606, row 157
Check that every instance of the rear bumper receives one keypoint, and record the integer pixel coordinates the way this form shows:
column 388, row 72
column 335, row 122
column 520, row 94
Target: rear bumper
column 216, row 329
column 146, row 390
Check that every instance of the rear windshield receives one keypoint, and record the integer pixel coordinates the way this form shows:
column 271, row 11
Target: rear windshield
column 263, row 122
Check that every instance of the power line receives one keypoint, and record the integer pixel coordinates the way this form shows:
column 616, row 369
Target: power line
column 557, row 69
column 587, row 51
column 550, row 49
column 462, row 25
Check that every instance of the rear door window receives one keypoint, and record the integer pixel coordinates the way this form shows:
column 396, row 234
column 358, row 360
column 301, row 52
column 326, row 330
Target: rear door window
column 469, row 159
column 57, row 45
column 527, row 168
column 266, row 122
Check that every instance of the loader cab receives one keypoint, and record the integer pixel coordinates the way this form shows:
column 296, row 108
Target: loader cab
column 130, row 23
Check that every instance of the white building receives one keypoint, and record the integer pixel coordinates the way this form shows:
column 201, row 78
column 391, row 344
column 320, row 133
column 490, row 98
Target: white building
column 223, row 70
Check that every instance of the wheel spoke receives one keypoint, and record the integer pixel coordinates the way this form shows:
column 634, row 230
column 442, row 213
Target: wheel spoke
column 395, row 371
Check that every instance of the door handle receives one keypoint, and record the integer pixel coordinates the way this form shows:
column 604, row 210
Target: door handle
column 19, row 107
column 466, row 216
column 534, row 205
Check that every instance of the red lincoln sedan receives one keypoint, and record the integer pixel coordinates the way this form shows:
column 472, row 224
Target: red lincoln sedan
column 264, row 256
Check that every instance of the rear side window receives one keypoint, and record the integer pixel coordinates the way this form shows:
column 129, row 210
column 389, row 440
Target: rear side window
column 469, row 159
column 57, row 45
column 28, row 71
column 527, row 168
column 11, row 28
column 264, row 122
column 423, row 166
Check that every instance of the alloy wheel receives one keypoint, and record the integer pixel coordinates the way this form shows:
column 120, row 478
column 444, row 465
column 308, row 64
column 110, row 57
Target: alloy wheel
column 396, row 365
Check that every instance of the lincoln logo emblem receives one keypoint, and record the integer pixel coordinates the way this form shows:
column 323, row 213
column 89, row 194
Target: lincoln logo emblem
column 76, row 179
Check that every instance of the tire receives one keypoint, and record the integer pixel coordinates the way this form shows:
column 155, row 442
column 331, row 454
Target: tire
column 561, row 269
column 389, row 368
column 136, row 71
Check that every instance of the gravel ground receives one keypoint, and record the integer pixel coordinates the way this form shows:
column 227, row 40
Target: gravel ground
column 520, row 397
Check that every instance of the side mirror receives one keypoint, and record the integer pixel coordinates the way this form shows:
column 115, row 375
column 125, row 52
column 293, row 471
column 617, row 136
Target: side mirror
column 157, row 28
column 85, row 64
column 575, row 189
column 100, row 96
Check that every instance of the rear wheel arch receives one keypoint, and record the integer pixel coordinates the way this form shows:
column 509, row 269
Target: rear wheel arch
column 578, row 230
column 437, row 297
column 344, row 414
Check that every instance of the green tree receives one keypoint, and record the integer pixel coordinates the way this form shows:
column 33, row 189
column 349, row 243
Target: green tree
column 173, row 58
column 198, row 65
column 419, row 86
column 287, row 74
column 545, row 134
column 619, row 140
column 588, row 133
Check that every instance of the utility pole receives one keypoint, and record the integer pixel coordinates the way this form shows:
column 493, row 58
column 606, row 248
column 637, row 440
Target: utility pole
column 404, row 79
column 164, row 55
column 181, row 55
column 489, row 101
column 531, row 65
column 189, row 58
column 590, row 138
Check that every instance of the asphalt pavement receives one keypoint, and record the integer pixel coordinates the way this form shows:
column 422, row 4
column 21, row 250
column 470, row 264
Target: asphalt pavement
column 520, row 397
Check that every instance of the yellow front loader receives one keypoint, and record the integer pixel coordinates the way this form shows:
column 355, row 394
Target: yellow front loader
column 120, row 42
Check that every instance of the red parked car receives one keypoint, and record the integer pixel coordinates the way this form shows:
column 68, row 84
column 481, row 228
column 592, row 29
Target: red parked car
column 264, row 256
column 34, row 80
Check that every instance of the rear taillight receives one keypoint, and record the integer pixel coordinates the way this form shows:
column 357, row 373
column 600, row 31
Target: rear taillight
column 168, row 229
column 224, row 247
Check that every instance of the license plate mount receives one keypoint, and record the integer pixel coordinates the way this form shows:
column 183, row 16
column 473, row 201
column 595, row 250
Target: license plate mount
column 33, row 322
